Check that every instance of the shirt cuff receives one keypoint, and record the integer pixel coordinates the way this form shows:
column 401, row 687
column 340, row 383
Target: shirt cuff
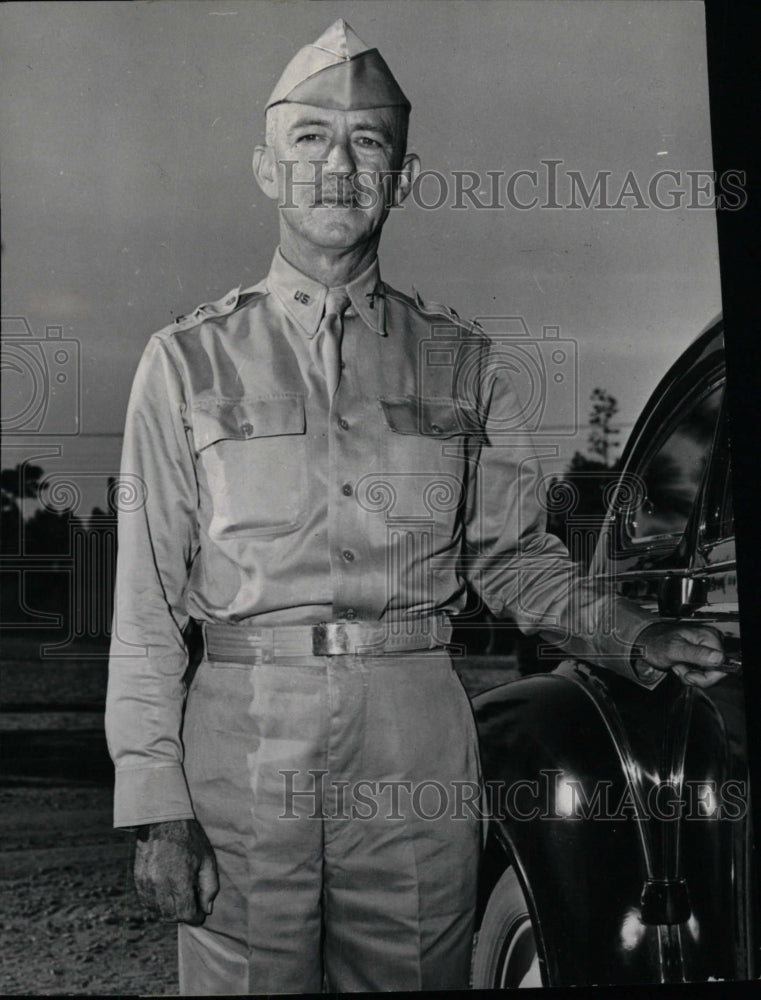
column 153, row 794
column 644, row 674
column 614, row 648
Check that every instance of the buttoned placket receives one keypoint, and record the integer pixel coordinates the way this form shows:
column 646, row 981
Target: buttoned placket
column 345, row 426
column 350, row 434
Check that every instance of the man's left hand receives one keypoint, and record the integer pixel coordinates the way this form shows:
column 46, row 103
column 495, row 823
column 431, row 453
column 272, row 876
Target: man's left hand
column 693, row 652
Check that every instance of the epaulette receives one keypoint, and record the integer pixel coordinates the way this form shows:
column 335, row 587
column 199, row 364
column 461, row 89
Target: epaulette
column 439, row 309
column 206, row 310
column 210, row 310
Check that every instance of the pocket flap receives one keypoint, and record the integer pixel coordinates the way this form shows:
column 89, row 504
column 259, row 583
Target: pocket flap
column 441, row 418
column 244, row 419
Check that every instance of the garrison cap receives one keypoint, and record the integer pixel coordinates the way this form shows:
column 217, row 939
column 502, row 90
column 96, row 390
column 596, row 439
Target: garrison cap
column 338, row 71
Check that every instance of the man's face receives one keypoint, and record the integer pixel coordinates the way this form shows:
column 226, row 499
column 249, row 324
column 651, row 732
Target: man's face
column 332, row 172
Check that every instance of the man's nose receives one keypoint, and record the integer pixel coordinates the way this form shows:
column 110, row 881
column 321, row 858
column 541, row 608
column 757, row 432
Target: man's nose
column 341, row 158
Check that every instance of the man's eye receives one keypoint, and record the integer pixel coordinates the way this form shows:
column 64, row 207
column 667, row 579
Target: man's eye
column 309, row 137
column 366, row 140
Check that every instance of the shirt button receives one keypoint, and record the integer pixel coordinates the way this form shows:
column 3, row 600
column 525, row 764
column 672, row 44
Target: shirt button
column 350, row 613
column 347, row 490
column 247, row 429
column 348, row 555
column 343, row 423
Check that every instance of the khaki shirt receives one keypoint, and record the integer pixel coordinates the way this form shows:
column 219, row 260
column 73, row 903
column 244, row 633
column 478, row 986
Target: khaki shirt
column 257, row 499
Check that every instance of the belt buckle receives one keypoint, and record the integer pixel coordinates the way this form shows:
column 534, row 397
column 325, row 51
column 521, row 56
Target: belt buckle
column 330, row 639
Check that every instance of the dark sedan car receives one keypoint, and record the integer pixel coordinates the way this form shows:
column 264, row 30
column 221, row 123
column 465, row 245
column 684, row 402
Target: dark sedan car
column 620, row 847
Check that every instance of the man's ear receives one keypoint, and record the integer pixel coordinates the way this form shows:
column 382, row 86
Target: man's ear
column 265, row 171
column 407, row 176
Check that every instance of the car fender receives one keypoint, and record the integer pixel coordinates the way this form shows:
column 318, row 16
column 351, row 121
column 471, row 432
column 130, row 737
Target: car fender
column 583, row 774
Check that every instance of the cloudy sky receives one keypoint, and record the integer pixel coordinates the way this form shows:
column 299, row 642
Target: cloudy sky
column 127, row 195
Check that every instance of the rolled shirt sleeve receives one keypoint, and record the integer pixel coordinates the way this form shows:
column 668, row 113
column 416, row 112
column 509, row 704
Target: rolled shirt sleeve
column 157, row 500
column 523, row 572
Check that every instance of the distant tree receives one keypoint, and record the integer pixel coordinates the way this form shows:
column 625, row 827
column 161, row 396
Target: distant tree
column 98, row 588
column 579, row 495
column 112, row 491
column 587, row 476
column 16, row 484
column 601, row 434
column 48, row 532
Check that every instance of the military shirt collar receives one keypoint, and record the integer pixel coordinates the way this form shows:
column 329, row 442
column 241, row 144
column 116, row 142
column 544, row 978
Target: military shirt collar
column 303, row 298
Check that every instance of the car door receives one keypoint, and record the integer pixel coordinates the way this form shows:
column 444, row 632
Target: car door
column 659, row 545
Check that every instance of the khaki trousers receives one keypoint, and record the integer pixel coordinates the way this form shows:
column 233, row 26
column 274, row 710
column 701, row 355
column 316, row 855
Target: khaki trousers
column 340, row 796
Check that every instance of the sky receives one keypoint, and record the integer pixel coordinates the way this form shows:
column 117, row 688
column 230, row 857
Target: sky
column 127, row 194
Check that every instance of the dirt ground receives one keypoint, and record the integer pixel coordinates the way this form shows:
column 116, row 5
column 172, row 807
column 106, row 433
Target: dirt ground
column 70, row 922
column 69, row 918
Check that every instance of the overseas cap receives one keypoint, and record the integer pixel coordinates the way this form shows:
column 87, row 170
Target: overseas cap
column 338, row 71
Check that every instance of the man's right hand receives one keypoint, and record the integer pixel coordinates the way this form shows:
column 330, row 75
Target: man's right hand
column 175, row 870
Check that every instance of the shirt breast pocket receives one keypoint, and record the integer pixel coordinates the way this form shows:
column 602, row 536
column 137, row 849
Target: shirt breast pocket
column 253, row 456
column 429, row 429
column 427, row 448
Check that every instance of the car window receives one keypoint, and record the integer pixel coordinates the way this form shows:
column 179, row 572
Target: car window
column 671, row 476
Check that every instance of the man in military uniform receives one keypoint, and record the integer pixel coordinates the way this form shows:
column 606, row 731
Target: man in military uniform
column 320, row 489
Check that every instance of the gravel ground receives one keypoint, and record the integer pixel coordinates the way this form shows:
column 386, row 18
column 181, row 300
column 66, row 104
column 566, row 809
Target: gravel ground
column 70, row 920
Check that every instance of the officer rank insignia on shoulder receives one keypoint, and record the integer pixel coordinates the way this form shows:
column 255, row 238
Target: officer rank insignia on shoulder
column 212, row 310
column 439, row 309
column 207, row 310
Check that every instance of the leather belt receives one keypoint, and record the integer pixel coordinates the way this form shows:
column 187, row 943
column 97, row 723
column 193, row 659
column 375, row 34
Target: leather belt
column 265, row 644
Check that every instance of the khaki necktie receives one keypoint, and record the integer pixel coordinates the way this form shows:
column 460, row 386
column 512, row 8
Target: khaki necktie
column 330, row 334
